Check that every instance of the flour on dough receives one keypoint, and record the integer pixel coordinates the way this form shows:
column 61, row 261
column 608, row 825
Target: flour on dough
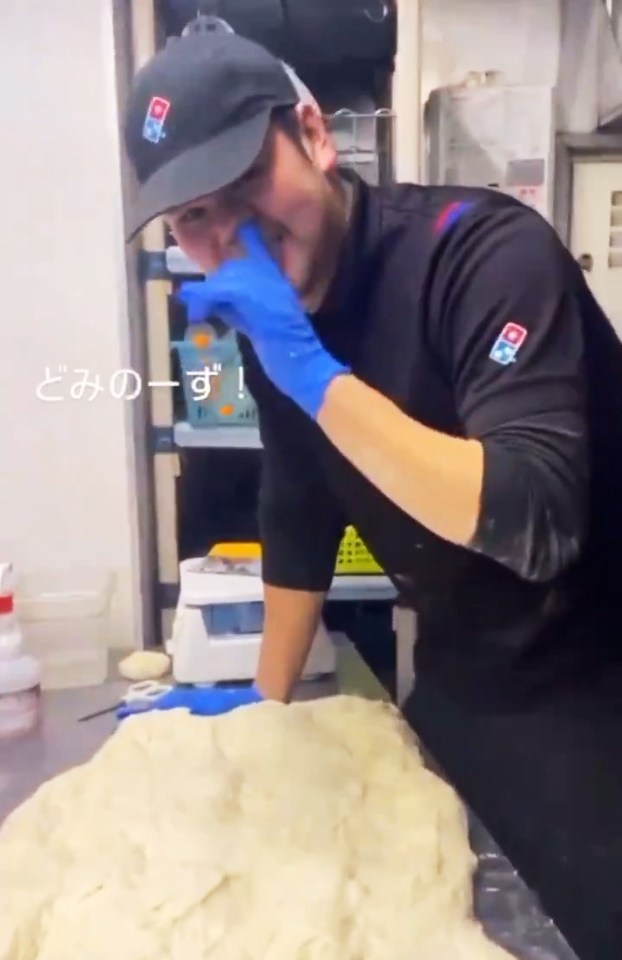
column 303, row 832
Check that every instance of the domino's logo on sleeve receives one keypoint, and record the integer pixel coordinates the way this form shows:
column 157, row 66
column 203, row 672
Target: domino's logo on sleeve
column 508, row 343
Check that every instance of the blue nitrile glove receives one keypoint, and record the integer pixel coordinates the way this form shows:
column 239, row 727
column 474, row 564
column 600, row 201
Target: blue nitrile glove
column 202, row 701
column 254, row 296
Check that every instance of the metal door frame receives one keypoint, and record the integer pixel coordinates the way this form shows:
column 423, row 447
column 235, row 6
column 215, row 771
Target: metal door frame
column 137, row 37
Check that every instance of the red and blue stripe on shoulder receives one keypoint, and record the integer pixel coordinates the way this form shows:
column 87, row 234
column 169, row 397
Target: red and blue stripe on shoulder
column 449, row 214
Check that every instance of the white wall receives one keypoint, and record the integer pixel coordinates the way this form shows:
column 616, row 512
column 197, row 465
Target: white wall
column 564, row 43
column 517, row 37
column 64, row 298
column 406, row 91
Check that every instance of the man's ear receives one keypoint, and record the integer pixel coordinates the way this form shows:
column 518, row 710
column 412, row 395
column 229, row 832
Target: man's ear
column 316, row 137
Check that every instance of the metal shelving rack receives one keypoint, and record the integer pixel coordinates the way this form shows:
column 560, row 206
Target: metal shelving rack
column 364, row 141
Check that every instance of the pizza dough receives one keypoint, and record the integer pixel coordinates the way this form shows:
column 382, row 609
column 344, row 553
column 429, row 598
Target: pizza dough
column 145, row 665
column 303, row 832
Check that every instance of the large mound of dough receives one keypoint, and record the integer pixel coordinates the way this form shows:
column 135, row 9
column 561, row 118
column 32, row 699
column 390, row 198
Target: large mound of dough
column 306, row 832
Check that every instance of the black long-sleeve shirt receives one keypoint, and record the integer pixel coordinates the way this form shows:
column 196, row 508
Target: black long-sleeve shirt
column 463, row 307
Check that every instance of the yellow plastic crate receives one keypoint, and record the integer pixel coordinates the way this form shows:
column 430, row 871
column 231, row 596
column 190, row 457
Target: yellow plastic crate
column 353, row 556
column 236, row 551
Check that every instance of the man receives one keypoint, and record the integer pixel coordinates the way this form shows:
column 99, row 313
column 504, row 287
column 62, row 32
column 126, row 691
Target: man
column 429, row 365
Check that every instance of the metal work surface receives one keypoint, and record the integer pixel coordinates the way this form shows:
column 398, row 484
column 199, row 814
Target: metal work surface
column 508, row 910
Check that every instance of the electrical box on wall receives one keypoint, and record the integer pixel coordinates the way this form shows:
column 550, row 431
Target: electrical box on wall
column 491, row 135
column 596, row 229
column 319, row 34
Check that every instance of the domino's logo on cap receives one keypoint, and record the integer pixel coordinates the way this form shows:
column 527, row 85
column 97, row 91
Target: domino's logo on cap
column 153, row 127
column 508, row 343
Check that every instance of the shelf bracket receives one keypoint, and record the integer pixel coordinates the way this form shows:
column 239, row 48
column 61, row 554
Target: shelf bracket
column 152, row 265
column 167, row 595
column 163, row 440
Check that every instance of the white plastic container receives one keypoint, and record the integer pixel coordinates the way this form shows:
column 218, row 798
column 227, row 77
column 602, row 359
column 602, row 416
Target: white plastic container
column 201, row 656
column 65, row 618
column 20, row 674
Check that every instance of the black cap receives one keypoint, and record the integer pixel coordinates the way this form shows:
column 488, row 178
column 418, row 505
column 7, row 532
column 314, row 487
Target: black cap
column 197, row 117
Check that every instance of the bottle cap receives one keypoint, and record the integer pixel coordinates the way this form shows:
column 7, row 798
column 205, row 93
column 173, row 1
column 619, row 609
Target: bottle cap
column 7, row 587
column 6, row 603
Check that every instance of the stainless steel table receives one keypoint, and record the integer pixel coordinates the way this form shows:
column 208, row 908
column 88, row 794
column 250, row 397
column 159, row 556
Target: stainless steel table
column 508, row 910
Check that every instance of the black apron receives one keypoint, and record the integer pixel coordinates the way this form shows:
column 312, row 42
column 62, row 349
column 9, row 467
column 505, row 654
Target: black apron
column 546, row 781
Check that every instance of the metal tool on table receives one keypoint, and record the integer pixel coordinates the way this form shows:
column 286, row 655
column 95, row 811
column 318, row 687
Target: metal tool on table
column 145, row 691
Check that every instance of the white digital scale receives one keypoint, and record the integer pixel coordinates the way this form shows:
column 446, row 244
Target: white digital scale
column 200, row 655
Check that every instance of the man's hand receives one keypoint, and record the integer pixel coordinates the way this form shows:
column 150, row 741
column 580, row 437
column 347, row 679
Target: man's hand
column 202, row 701
column 254, row 297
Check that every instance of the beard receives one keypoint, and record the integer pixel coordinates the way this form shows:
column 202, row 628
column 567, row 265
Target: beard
column 324, row 258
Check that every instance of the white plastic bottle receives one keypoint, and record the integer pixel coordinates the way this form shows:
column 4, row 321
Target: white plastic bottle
column 20, row 674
